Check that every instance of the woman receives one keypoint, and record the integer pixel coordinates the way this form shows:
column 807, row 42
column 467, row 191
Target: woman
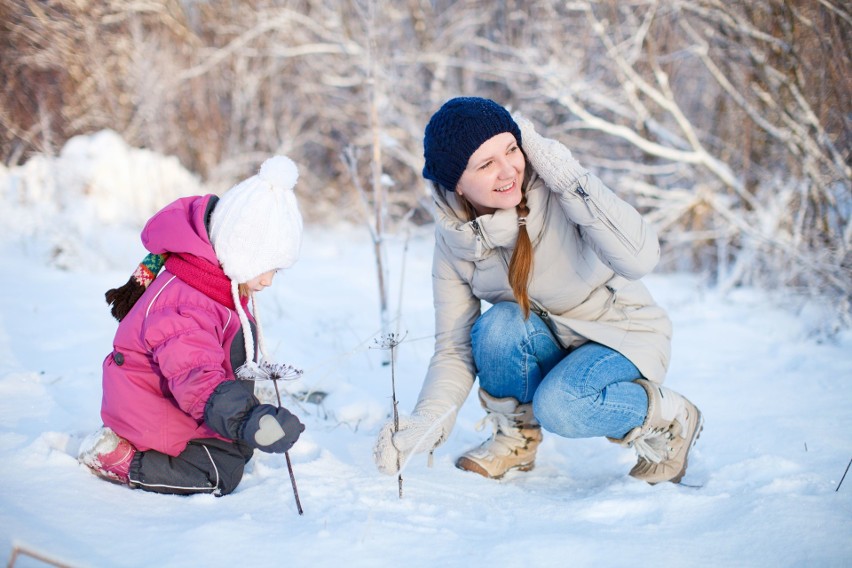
column 573, row 342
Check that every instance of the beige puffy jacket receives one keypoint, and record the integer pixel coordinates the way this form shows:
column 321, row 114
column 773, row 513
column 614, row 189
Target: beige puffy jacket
column 590, row 250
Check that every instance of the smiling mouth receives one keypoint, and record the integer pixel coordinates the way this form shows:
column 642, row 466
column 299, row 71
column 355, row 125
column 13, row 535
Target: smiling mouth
column 505, row 188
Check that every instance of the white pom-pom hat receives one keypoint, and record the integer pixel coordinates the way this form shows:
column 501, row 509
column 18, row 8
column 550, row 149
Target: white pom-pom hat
column 256, row 227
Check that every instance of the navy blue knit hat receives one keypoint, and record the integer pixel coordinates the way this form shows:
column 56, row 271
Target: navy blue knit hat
column 456, row 131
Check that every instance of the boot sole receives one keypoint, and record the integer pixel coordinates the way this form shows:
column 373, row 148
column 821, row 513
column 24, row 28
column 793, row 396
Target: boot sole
column 111, row 477
column 467, row 464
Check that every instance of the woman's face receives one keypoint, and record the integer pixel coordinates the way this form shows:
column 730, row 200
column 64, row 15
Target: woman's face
column 494, row 173
column 258, row 283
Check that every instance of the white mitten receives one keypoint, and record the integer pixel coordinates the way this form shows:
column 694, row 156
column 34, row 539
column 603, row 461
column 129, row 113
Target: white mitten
column 550, row 158
column 417, row 433
column 620, row 236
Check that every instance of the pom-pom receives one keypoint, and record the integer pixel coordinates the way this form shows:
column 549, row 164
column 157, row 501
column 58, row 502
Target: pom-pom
column 280, row 171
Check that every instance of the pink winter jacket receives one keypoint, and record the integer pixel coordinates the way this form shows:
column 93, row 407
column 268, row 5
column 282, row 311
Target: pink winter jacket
column 174, row 346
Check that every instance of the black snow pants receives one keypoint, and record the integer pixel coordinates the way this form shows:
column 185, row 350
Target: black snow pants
column 207, row 465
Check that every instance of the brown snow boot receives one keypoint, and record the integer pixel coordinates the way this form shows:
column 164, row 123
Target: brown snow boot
column 515, row 439
column 662, row 443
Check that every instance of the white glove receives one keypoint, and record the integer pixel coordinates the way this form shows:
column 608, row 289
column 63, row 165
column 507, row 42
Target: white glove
column 550, row 158
column 417, row 433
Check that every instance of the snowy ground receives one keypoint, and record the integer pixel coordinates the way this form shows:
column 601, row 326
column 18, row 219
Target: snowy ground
column 761, row 487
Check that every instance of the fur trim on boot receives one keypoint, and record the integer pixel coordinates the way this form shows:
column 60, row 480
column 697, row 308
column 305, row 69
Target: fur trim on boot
column 663, row 442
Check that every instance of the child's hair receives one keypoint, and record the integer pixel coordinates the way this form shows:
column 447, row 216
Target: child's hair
column 123, row 298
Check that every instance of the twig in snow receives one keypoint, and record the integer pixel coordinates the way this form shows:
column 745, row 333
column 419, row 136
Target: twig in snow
column 275, row 372
column 19, row 550
column 844, row 475
column 390, row 341
column 293, row 483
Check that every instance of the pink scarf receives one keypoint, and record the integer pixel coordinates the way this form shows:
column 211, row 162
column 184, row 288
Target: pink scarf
column 208, row 279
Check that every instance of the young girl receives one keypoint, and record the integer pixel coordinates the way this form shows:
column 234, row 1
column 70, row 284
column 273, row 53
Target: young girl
column 177, row 418
column 573, row 342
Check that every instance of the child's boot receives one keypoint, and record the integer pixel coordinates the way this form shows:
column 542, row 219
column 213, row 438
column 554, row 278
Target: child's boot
column 108, row 455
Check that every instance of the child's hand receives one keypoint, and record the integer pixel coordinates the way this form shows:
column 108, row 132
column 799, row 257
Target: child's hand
column 271, row 429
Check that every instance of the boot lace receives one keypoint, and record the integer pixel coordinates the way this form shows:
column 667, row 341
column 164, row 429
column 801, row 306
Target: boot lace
column 501, row 424
column 653, row 445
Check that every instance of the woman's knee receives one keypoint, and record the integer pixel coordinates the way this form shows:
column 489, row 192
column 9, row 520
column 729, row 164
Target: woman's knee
column 562, row 413
column 590, row 368
column 503, row 320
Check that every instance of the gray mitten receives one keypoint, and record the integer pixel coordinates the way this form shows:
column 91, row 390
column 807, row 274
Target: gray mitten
column 271, row 429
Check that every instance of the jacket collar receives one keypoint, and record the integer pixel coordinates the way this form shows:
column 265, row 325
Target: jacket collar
column 472, row 240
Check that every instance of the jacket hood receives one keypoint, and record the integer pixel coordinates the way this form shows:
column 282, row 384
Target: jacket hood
column 473, row 240
column 181, row 227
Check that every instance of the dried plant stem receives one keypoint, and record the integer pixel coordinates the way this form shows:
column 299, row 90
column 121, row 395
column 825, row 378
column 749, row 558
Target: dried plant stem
column 287, row 457
column 395, row 412
column 293, row 483
column 844, row 475
column 389, row 341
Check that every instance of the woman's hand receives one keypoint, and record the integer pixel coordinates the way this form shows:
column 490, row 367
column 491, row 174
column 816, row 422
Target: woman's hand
column 559, row 170
column 550, row 158
column 417, row 433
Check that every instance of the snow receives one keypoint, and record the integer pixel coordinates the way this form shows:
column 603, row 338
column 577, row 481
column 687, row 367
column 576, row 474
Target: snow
column 761, row 490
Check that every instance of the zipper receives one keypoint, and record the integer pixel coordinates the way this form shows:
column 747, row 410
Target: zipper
column 478, row 232
column 539, row 311
column 548, row 321
column 599, row 214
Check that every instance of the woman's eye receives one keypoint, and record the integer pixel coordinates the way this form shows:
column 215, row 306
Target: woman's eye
column 485, row 165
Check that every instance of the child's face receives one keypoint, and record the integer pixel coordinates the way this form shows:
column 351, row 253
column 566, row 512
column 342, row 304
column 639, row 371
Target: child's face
column 258, row 283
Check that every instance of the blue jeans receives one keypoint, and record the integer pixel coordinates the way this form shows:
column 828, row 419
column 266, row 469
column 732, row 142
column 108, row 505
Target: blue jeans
column 582, row 393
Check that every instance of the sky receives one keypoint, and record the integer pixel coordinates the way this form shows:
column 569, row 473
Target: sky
column 763, row 486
